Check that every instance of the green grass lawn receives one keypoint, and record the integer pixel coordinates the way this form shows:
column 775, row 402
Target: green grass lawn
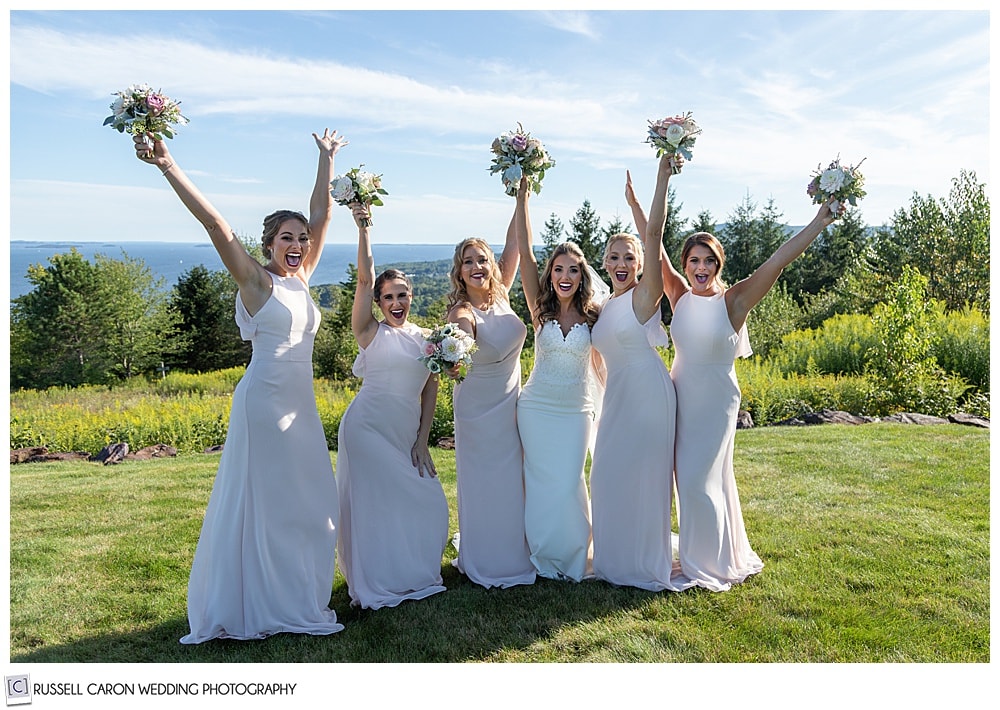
column 875, row 541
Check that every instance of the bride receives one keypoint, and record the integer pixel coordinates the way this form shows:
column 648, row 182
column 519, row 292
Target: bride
column 556, row 410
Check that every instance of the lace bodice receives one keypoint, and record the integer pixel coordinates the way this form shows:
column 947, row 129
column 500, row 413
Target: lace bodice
column 562, row 365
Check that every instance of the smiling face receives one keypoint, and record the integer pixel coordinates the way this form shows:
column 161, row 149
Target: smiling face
column 394, row 301
column 567, row 275
column 701, row 267
column 290, row 247
column 703, row 260
column 623, row 262
column 476, row 268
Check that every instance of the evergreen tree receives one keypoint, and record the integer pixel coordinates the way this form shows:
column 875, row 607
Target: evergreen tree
column 335, row 348
column 555, row 233
column 586, row 231
column 205, row 301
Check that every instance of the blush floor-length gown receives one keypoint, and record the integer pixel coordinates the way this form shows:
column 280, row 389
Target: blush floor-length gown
column 631, row 476
column 492, row 551
column 555, row 416
column 265, row 559
column 715, row 551
column 393, row 521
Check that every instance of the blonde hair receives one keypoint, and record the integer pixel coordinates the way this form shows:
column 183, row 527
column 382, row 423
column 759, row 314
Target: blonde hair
column 459, row 292
column 624, row 236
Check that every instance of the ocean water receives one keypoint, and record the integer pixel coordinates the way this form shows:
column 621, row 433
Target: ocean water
column 169, row 260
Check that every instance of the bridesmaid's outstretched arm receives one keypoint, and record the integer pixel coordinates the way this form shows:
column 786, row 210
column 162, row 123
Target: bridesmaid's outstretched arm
column 320, row 202
column 743, row 296
column 674, row 284
column 649, row 291
column 363, row 323
column 253, row 281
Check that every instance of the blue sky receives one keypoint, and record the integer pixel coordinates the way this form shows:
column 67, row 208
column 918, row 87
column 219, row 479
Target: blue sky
column 421, row 95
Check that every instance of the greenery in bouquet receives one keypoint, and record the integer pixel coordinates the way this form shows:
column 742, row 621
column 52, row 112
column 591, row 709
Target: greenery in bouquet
column 357, row 185
column 139, row 110
column 447, row 346
column 516, row 155
column 674, row 135
column 844, row 184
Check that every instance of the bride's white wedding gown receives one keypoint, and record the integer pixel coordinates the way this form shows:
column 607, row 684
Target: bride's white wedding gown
column 555, row 417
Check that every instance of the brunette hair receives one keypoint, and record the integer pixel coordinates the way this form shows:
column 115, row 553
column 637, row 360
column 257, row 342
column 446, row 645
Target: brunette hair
column 547, row 303
column 390, row 275
column 271, row 225
column 709, row 241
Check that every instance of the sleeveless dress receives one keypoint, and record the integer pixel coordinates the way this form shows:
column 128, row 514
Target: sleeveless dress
column 393, row 522
column 714, row 549
column 265, row 559
column 631, row 475
column 555, row 416
column 492, row 549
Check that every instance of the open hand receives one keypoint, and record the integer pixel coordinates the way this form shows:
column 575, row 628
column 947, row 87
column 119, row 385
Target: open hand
column 330, row 142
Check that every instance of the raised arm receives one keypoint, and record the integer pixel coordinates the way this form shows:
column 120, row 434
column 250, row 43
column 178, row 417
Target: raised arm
column 674, row 284
column 320, row 202
column 529, row 265
column 649, row 292
column 254, row 283
column 746, row 294
column 420, row 454
column 363, row 323
column 509, row 258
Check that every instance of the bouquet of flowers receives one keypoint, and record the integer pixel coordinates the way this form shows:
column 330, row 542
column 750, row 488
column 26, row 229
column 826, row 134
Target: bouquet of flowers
column 357, row 185
column 447, row 346
column 843, row 184
column 517, row 154
column 673, row 136
column 139, row 110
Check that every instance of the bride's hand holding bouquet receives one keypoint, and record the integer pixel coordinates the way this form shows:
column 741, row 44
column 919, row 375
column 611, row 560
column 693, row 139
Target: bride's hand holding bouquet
column 515, row 155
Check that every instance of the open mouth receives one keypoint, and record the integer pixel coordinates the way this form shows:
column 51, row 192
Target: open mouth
column 293, row 260
column 565, row 288
column 621, row 276
column 397, row 313
column 702, row 279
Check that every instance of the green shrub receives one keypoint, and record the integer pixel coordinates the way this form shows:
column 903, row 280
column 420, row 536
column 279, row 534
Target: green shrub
column 841, row 346
column 772, row 396
column 776, row 315
column 962, row 345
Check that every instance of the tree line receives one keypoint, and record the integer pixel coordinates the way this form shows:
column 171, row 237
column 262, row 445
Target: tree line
column 112, row 319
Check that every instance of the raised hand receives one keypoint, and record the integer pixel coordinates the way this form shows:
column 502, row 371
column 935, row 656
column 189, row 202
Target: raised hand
column 330, row 142
column 630, row 198
column 151, row 151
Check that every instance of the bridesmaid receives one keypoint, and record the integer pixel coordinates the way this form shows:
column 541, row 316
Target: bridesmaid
column 556, row 409
column 631, row 474
column 492, row 549
column 264, row 563
column 709, row 332
column 393, row 511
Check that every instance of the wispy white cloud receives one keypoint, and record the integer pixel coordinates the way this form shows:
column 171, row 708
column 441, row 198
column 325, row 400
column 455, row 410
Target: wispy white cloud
column 581, row 23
